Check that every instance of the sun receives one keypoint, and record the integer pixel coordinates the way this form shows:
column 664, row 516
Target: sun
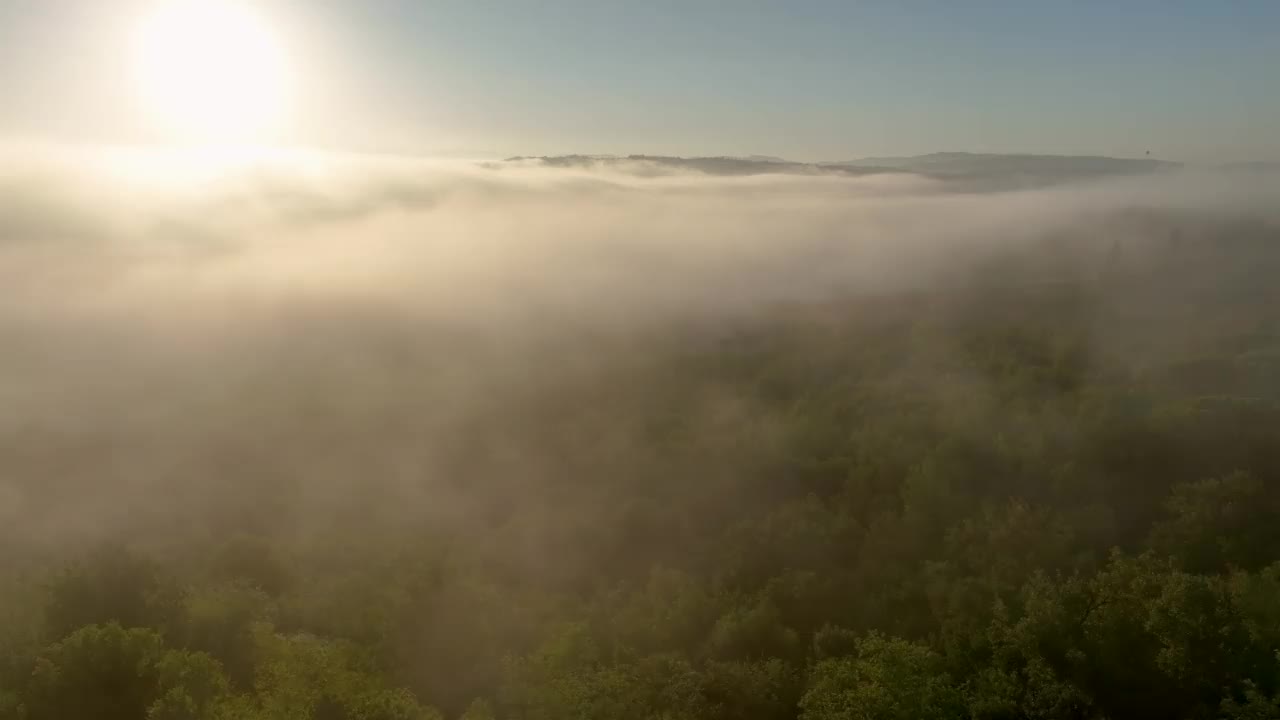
column 210, row 71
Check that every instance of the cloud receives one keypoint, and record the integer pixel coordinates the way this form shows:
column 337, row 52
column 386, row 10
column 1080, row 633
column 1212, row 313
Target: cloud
column 270, row 335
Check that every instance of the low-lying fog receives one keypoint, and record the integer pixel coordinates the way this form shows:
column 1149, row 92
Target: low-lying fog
column 176, row 331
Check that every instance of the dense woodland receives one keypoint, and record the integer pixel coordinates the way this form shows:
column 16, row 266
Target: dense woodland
column 1047, row 486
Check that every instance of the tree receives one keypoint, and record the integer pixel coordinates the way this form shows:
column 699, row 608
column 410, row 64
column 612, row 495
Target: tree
column 224, row 621
column 753, row 631
column 761, row 690
column 110, row 585
column 311, row 678
column 1222, row 521
column 110, row 673
column 886, row 679
column 1254, row 705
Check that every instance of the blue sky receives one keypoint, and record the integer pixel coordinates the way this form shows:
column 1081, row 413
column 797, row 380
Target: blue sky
column 815, row 79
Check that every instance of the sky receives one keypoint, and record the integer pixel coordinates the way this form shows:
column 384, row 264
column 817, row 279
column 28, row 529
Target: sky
column 803, row 79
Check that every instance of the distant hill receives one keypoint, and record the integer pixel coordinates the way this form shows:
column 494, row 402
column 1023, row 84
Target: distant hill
column 960, row 170
column 751, row 165
column 960, row 164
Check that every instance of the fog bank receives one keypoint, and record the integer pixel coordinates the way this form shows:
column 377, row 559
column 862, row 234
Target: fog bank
column 277, row 334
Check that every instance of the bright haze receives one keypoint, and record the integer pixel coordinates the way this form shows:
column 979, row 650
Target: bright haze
column 477, row 359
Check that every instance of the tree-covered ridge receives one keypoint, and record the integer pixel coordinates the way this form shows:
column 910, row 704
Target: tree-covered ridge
column 1048, row 491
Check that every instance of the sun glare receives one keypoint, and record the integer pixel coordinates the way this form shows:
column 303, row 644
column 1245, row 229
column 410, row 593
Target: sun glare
column 211, row 71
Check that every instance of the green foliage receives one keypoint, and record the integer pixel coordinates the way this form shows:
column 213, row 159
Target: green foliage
column 108, row 672
column 1035, row 501
column 1219, row 522
column 1253, row 706
column 764, row 689
column 753, row 630
column 308, row 677
column 834, row 642
column 111, row 585
column 193, row 683
column 553, row 685
column 224, row 621
column 885, row 679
